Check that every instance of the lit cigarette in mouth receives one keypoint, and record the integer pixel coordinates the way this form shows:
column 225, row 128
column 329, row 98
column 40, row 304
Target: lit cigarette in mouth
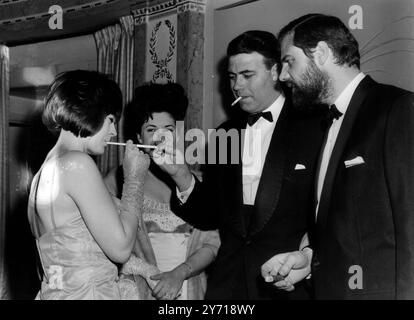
column 137, row 145
column 235, row 101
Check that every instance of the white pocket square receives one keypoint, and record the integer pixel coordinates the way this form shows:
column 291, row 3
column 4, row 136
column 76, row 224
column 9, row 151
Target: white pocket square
column 300, row 167
column 354, row 162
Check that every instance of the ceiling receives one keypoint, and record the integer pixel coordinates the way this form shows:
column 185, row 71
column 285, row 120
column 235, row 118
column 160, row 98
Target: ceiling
column 27, row 21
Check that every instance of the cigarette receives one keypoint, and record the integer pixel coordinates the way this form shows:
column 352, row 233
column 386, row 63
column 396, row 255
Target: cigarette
column 235, row 101
column 137, row 145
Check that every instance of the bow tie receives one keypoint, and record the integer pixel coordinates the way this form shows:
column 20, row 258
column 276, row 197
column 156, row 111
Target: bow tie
column 333, row 113
column 252, row 118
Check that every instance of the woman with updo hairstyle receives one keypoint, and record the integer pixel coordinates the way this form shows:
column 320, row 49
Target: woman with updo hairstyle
column 170, row 256
column 80, row 234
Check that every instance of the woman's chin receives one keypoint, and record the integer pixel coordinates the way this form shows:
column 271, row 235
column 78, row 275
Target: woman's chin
column 97, row 151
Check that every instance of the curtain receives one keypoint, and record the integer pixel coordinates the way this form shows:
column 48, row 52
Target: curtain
column 4, row 182
column 115, row 46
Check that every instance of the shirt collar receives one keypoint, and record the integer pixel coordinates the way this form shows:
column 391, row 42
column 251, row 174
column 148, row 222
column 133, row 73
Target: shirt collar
column 276, row 106
column 342, row 102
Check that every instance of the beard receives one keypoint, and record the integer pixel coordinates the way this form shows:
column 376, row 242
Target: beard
column 313, row 90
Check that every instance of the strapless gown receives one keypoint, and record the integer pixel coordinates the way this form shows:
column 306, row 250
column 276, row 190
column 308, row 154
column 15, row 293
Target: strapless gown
column 74, row 266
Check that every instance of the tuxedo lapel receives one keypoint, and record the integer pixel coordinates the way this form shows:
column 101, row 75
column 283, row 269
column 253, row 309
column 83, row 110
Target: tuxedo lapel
column 267, row 195
column 232, row 198
column 343, row 135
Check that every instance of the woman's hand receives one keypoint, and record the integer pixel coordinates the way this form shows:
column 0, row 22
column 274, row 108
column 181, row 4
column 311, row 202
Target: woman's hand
column 169, row 283
column 136, row 162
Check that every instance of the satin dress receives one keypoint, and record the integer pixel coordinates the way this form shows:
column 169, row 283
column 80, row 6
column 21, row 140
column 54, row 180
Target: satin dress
column 74, row 266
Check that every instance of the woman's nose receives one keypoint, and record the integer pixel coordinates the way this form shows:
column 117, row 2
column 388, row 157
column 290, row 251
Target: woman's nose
column 113, row 130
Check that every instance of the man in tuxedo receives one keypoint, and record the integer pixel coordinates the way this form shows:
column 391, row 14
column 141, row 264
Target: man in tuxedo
column 363, row 232
column 258, row 200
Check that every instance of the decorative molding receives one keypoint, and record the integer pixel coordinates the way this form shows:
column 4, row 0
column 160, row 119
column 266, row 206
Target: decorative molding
column 9, row 2
column 65, row 10
column 191, row 5
column 139, row 12
column 180, row 6
column 138, row 20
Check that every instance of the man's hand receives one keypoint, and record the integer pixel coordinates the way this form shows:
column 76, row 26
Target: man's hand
column 171, row 160
column 286, row 269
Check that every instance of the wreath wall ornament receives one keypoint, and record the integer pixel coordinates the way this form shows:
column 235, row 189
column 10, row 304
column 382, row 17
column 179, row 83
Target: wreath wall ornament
column 162, row 70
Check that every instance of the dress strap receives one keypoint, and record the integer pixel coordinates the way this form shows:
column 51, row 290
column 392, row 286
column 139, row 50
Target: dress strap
column 39, row 262
column 52, row 214
column 36, row 213
column 52, row 211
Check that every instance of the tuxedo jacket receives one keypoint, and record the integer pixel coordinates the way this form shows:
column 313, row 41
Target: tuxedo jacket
column 363, row 239
column 276, row 222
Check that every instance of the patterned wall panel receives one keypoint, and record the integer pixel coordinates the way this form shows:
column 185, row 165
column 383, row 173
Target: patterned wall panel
column 169, row 42
column 162, row 49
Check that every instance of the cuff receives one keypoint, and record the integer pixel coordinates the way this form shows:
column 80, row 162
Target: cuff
column 308, row 251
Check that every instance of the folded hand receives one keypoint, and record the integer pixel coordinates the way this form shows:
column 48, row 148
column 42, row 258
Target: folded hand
column 169, row 284
column 286, row 269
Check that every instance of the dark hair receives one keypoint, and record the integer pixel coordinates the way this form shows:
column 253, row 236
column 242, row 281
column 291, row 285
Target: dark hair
column 78, row 101
column 262, row 42
column 153, row 98
column 309, row 29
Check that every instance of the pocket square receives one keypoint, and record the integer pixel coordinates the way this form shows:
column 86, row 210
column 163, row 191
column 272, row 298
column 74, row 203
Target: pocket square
column 300, row 167
column 354, row 162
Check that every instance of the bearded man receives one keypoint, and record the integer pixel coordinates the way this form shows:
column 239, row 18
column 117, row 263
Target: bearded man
column 363, row 232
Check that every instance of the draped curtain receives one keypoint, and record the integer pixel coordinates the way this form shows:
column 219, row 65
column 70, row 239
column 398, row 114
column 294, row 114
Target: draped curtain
column 4, row 185
column 115, row 46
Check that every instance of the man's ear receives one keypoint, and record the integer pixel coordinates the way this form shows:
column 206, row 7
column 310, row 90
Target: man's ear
column 139, row 138
column 274, row 72
column 321, row 53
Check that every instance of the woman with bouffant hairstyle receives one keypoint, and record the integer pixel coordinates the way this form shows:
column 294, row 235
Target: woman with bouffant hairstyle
column 170, row 256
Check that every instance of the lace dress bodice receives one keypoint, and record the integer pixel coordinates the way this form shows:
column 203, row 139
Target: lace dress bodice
column 168, row 234
column 159, row 218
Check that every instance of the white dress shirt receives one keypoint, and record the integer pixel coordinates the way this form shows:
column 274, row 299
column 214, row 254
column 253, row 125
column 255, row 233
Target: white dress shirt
column 255, row 146
column 341, row 103
column 254, row 153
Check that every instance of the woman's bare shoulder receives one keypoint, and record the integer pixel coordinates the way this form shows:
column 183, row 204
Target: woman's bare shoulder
column 76, row 161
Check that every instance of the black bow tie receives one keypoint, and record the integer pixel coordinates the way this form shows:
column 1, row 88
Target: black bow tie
column 333, row 113
column 252, row 118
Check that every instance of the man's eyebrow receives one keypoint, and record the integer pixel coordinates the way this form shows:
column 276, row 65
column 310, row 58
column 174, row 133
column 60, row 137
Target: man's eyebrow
column 240, row 72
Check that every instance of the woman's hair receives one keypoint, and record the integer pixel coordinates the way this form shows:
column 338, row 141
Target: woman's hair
column 154, row 98
column 78, row 101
